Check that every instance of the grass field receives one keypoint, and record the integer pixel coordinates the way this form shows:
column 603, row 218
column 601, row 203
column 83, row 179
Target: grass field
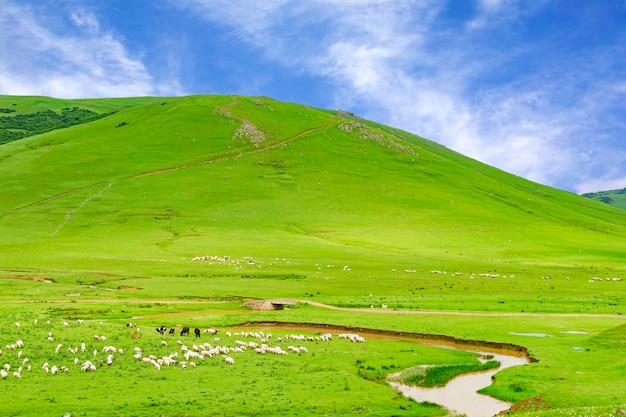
column 176, row 211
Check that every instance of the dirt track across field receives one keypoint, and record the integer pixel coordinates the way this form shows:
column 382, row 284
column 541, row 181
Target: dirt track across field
column 456, row 313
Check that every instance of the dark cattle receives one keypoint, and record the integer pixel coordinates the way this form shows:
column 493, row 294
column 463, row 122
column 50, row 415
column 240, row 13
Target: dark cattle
column 172, row 330
column 161, row 330
column 197, row 332
column 184, row 331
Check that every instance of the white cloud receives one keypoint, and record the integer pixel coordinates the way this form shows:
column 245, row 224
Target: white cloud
column 79, row 60
column 601, row 184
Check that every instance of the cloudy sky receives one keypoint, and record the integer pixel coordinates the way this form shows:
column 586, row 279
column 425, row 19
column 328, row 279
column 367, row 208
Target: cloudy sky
column 534, row 87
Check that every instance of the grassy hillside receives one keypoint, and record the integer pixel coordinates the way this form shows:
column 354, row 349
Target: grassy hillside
column 615, row 198
column 301, row 191
column 175, row 211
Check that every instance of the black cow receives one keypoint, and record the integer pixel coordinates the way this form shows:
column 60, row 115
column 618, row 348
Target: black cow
column 172, row 330
column 161, row 330
column 184, row 331
column 197, row 332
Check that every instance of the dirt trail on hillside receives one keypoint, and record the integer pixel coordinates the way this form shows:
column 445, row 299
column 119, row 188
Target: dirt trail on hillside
column 174, row 168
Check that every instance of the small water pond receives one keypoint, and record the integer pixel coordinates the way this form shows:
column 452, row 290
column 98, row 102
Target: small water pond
column 460, row 394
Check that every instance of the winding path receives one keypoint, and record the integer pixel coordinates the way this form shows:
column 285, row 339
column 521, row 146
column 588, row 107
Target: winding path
column 174, row 168
column 456, row 313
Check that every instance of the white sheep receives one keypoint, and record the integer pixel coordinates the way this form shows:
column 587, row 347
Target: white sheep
column 229, row 360
column 3, row 374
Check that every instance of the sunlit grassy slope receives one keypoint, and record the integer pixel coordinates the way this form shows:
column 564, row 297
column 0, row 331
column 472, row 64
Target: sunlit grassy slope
column 304, row 192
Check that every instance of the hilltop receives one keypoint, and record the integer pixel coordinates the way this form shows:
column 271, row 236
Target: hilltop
column 254, row 187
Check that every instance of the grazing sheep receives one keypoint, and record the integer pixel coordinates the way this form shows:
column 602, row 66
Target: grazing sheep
column 17, row 375
column 3, row 374
column 17, row 324
column 88, row 366
column 229, row 360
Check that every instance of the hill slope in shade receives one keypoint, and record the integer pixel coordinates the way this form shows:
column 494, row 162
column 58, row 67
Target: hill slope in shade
column 616, row 198
column 289, row 188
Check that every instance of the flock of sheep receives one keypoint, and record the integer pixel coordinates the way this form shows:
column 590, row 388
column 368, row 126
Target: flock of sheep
column 98, row 352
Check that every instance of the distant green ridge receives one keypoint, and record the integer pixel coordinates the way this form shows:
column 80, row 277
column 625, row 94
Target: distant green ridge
column 616, row 198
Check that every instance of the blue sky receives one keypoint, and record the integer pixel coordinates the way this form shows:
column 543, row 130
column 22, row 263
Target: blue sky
column 534, row 87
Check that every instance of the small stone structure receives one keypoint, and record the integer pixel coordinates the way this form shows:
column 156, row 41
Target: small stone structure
column 269, row 305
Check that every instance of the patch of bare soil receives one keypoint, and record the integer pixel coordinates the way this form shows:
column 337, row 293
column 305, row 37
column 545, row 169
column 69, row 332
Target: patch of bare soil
column 130, row 288
column 527, row 405
column 30, row 278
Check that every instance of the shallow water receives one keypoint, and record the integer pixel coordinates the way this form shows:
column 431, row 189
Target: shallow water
column 460, row 395
column 531, row 334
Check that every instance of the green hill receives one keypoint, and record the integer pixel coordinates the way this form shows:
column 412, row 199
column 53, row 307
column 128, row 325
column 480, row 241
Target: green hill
column 616, row 198
column 286, row 191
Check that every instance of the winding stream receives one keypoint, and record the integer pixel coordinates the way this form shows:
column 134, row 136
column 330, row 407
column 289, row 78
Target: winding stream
column 460, row 395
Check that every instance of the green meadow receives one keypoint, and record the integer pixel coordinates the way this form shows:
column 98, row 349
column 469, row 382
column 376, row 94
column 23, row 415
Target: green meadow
column 178, row 211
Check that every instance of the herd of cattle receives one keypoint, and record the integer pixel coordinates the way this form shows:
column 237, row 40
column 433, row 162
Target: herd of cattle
column 162, row 330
